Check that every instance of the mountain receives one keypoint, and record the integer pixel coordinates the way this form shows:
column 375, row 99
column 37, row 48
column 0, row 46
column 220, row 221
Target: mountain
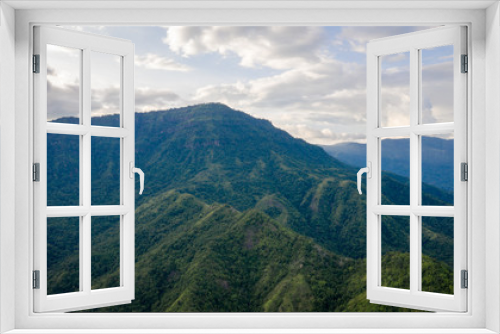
column 437, row 158
column 353, row 154
column 237, row 215
column 196, row 257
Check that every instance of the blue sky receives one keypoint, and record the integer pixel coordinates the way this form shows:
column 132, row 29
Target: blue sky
column 309, row 81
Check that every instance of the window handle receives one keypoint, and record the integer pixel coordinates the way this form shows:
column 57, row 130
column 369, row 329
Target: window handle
column 368, row 171
column 141, row 175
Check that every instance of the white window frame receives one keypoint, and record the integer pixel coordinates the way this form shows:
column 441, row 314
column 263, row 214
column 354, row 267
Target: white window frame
column 413, row 43
column 86, row 297
column 483, row 100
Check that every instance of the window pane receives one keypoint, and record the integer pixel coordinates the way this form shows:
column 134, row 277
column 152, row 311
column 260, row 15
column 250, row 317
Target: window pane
column 63, row 84
column 437, row 84
column 63, row 255
column 106, row 88
column 437, row 170
column 395, row 167
column 437, row 254
column 63, row 170
column 105, row 171
column 105, row 259
column 395, row 90
column 396, row 252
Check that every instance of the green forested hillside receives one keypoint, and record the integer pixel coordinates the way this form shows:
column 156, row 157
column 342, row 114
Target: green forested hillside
column 212, row 258
column 238, row 216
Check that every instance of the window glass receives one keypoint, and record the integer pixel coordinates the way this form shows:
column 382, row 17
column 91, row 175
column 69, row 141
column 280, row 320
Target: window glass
column 63, row 255
column 395, row 167
column 395, row 252
column 395, row 90
column 437, row 84
column 105, row 88
column 437, row 152
column 437, row 254
column 63, row 170
column 63, row 84
column 106, row 168
column 105, row 259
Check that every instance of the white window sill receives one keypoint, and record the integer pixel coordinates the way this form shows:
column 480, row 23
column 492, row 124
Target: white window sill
column 251, row 331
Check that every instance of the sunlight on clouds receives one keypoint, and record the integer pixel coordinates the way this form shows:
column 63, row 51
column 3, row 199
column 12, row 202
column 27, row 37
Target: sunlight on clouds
column 147, row 99
column 317, row 136
column 62, row 100
column 309, row 84
column 395, row 106
column 63, row 65
column 255, row 46
column 437, row 93
column 299, row 95
column 105, row 101
column 63, row 82
column 155, row 62
column 105, row 81
column 237, row 95
column 437, row 84
column 309, row 81
column 395, row 90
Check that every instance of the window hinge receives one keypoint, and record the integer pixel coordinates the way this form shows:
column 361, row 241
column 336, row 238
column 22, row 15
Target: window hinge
column 465, row 279
column 465, row 64
column 36, row 279
column 36, row 63
column 464, row 170
column 36, row 172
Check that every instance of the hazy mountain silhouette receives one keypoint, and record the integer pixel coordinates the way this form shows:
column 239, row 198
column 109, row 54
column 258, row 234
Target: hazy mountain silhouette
column 437, row 158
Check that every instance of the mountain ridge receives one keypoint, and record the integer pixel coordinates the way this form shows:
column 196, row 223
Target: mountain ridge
column 240, row 216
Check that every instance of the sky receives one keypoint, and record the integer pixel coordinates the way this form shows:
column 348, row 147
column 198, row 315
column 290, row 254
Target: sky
column 308, row 81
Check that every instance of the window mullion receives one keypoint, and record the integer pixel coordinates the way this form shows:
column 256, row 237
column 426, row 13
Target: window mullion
column 414, row 172
column 86, row 165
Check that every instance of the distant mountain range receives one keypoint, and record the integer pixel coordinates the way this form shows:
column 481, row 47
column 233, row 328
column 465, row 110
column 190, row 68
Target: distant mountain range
column 239, row 216
column 437, row 158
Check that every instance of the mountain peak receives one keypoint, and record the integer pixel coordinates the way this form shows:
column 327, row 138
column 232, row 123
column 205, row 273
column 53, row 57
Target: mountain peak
column 213, row 105
column 208, row 107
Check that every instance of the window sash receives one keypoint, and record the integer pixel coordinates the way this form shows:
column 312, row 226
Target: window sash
column 85, row 298
column 414, row 298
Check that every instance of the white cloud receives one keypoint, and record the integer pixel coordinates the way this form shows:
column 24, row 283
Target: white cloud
column 156, row 99
column 106, row 101
column 437, row 92
column 325, row 98
column 63, row 101
column 308, row 93
column 323, row 136
column 397, row 58
column 395, row 106
column 255, row 46
column 292, row 88
column 155, row 62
